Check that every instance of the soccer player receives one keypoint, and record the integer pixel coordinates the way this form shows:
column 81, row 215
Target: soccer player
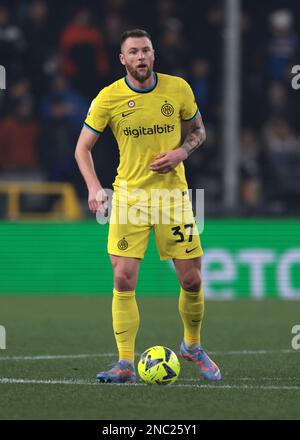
column 146, row 112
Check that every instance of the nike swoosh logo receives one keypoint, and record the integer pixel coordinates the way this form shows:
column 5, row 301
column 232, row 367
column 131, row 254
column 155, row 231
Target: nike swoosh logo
column 119, row 333
column 190, row 250
column 127, row 114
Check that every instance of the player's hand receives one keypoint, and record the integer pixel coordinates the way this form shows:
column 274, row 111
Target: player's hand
column 98, row 200
column 168, row 160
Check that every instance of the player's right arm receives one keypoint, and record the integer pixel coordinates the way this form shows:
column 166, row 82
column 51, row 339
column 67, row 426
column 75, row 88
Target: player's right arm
column 83, row 156
column 95, row 122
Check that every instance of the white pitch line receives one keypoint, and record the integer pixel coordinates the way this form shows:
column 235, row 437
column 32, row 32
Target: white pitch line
column 55, row 356
column 8, row 380
column 95, row 355
column 283, row 379
column 11, row 381
column 251, row 352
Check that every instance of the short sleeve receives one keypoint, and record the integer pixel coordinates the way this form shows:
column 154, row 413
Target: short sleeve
column 189, row 107
column 98, row 115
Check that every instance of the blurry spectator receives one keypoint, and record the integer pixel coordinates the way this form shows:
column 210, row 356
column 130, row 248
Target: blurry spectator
column 53, row 65
column 17, row 91
column 12, row 45
column 250, row 166
column 40, row 36
column 85, row 59
column 57, row 142
column 114, row 26
column 115, row 6
column 165, row 13
column 208, row 35
column 280, row 137
column 204, row 168
column 199, row 82
column 173, row 56
column 282, row 163
column 278, row 100
column 20, row 89
column 18, row 138
column 75, row 106
column 211, row 35
column 253, row 91
column 283, row 44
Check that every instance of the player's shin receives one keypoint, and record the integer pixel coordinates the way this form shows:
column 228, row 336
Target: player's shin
column 191, row 309
column 126, row 322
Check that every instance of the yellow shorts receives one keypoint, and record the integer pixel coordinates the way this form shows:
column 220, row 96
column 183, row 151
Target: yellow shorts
column 174, row 239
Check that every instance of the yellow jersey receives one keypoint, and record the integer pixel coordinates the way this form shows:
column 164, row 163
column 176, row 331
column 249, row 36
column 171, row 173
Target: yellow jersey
column 145, row 123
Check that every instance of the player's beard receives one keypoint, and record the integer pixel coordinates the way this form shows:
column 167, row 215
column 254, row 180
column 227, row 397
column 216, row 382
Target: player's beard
column 140, row 77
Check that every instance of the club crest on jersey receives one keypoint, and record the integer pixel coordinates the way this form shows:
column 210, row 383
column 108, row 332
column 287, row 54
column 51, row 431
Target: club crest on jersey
column 167, row 109
column 131, row 104
column 122, row 244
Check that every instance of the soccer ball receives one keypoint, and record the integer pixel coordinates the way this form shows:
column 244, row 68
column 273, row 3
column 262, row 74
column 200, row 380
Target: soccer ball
column 159, row 365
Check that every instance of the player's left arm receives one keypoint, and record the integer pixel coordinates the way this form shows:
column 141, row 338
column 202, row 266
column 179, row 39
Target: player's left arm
column 196, row 134
column 168, row 160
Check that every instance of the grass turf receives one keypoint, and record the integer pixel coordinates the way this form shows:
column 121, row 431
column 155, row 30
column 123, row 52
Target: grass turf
column 262, row 383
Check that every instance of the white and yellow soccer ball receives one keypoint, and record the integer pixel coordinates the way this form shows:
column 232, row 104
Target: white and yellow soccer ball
column 159, row 365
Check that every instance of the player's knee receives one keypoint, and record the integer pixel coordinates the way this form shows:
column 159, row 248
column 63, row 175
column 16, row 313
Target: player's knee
column 124, row 281
column 192, row 280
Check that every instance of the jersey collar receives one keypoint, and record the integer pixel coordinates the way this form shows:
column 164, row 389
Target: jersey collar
column 142, row 90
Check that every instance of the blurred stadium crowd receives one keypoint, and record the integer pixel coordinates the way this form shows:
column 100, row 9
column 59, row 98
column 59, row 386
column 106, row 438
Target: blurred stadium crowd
column 58, row 55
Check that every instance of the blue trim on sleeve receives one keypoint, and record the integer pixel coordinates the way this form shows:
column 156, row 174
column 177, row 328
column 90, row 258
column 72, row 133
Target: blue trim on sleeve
column 193, row 117
column 92, row 129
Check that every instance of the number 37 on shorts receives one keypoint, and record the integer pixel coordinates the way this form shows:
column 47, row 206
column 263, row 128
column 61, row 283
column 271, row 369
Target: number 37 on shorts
column 173, row 240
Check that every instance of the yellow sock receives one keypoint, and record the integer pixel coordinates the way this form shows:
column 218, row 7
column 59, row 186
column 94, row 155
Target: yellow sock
column 191, row 309
column 126, row 322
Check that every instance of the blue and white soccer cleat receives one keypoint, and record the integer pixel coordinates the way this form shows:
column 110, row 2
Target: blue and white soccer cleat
column 208, row 369
column 121, row 372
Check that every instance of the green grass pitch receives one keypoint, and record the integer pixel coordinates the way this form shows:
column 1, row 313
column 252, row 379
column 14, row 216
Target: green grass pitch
column 56, row 345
